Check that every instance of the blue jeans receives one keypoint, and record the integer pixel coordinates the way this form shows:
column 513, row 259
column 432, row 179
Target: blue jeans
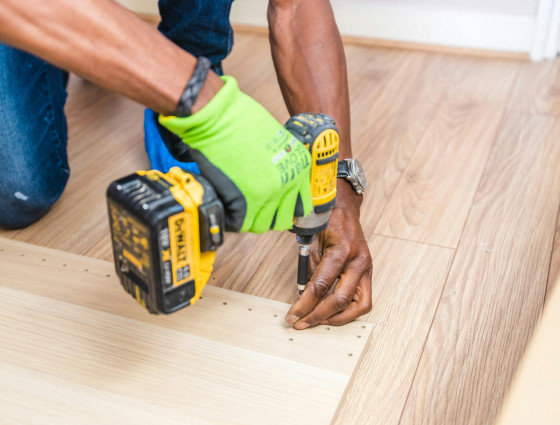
column 33, row 162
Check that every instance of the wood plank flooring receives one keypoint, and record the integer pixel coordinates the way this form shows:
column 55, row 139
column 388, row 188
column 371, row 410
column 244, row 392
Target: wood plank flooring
column 463, row 159
column 496, row 287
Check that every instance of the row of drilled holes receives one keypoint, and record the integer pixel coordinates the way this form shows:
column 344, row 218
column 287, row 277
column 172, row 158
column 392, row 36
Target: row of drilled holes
column 44, row 260
column 291, row 339
column 224, row 303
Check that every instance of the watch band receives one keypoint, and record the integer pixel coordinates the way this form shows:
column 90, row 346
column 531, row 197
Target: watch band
column 343, row 171
column 195, row 83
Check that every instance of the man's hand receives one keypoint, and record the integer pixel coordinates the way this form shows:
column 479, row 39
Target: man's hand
column 340, row 252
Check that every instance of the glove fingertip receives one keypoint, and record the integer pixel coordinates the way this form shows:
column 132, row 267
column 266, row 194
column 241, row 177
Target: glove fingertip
column 282, row 225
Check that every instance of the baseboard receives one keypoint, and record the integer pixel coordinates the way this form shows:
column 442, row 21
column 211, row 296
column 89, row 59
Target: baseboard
column 405, row 45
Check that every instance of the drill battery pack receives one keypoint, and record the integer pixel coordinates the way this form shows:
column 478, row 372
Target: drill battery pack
column 165, row 229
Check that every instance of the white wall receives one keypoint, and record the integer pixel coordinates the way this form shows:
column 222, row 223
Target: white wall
column 507, row 25
column 463, row 23
column 509, row 7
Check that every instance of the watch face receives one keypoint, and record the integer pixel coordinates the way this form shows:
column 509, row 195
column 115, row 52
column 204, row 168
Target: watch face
column 358, row 173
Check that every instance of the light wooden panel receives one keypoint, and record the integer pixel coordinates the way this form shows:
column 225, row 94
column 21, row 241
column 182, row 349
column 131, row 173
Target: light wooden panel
column 408, row 279
column 536, row 387
column 495, row 290
column 69, row 328
column 538, row 89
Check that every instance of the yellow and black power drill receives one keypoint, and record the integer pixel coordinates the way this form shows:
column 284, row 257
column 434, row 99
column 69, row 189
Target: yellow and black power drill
column 166, row 227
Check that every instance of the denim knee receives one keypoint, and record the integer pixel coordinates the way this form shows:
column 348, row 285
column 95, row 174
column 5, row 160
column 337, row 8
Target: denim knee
column 26, row 198
column 33, row 163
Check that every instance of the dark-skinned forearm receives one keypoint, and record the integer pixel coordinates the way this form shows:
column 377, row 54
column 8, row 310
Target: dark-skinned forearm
column 107, row 44
column 310, row 62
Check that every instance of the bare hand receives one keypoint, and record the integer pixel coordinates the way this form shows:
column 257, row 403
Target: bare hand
column 340, row 252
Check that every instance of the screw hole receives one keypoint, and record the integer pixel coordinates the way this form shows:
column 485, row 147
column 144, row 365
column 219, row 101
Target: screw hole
column 200, row 297
column 328, row 329
column 64, row 265
column 224, row 303
column 250, row 309
column 358, row 336
column 290, row 339
column 108, row 275
column 22, row 255
column 363, row 327
column 274, row 315
column 43, row 259
column 349, row 354
column 86, row 270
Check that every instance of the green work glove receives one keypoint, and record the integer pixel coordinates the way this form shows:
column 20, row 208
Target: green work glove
column 259, row 169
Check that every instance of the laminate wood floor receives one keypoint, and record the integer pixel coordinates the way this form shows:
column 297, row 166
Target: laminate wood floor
column 463, row 159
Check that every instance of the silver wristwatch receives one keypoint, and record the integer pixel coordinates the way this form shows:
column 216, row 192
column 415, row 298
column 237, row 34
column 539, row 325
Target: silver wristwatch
column 352, row 171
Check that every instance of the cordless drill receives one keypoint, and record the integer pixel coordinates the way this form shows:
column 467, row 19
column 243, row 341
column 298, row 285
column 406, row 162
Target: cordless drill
column 166, row 227
column 319, row 134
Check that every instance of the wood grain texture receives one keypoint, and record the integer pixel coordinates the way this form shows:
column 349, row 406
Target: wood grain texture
column 495, row 290
column 397, row 97
column 392, row 107
column 70, row 330
column 534, row 394
column 537, row 90
column 432, row 199
column 406, row 292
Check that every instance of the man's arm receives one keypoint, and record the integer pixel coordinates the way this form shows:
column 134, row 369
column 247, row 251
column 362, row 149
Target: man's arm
column 107, row 44
column 311, row 67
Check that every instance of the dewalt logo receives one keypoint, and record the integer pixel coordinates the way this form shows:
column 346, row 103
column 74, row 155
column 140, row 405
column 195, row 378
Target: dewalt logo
column 179, row 233
column 179, row 224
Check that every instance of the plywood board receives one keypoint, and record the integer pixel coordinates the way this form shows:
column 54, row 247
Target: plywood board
column 77, row 349
column 496, row 287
